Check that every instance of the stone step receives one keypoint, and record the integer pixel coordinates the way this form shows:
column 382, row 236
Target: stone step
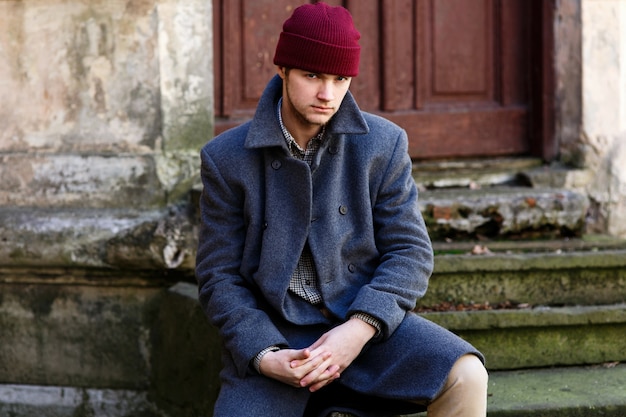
column 542, row 337
column 559, row 392
column 482, row 173
column 499, row 198
column 503, row 212
column 553, row 273
column 526, row 304
column 549, row 392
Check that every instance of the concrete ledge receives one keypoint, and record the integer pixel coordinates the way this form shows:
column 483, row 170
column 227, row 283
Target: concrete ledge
column 483, row 173
column 165, row 240
column 99, row 238
column 531, row 261
column 44, row 401
column 168, row 363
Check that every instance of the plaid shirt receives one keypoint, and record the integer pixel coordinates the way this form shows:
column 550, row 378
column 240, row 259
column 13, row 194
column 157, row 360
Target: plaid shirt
column 304, row 279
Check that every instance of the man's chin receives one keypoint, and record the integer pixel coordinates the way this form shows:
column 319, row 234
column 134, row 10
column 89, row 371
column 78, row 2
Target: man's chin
column 319, row 121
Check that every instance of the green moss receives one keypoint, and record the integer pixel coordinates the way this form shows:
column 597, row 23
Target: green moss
column 189, row 132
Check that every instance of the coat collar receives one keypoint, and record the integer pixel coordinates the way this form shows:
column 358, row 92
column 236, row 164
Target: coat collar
column 265, row 129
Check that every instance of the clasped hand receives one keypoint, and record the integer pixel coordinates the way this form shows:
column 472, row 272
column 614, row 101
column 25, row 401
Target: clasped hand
column 322, row 362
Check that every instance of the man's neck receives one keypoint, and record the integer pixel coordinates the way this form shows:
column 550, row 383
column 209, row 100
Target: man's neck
column 301, row 131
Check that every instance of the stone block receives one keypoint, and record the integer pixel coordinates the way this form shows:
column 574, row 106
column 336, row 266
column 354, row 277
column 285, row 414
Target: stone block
column 76, row 335
column 186, row 360
column 80, row 181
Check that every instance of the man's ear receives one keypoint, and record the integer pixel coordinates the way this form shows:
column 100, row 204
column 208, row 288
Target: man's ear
column 281, row 72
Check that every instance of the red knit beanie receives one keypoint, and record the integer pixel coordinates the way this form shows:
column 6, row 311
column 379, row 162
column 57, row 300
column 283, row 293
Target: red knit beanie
column 321, row 39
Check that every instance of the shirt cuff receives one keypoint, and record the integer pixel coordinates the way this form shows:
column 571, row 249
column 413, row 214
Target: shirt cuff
column 256, row 363
column 372, row 321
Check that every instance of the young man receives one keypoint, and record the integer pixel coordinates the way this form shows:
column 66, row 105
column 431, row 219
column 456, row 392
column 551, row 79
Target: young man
column 313, row 251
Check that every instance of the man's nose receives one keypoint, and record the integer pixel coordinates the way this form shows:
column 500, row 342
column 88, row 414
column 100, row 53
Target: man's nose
column 326, row 92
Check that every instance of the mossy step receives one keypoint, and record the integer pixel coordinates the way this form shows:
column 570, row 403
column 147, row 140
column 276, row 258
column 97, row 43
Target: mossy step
column 587, row 242
column 579, row 276
column 540, row 337
column 559, row 392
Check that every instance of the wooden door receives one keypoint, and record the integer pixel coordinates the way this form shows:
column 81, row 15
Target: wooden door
column 465, row 78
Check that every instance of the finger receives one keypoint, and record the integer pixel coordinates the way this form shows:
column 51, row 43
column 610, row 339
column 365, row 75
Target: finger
column 317, row 344
column 313, row 360
column 321, row 384
column 333, row 369
column 302, row 354
column 322, row 372
column 310, row 371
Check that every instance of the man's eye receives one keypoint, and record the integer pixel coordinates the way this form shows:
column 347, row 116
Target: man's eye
column 311, row 75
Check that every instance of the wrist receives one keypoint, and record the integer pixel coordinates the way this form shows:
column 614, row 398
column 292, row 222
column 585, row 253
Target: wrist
column 372, row 323
column 256, row 363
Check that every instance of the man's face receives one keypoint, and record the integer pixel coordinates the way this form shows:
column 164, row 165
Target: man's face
column 311, row 99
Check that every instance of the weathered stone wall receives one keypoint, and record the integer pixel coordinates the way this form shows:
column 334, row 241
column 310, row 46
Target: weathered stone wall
column 104, row 107
column 590, row 61
column 104, row 103
column 603, row 131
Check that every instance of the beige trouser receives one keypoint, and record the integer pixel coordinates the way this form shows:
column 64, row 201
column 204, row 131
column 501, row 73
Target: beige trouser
column 465, row 391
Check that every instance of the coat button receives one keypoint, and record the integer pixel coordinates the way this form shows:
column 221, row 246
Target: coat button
column 343, row 209
column 276, row 164
column 333, row 150
column 351, row 267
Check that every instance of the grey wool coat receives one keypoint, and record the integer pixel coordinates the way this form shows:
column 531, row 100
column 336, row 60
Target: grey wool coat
column 356, row 206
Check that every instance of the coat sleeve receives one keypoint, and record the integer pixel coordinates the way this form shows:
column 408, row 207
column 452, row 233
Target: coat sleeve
column 228, row 299
column 405, row 250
